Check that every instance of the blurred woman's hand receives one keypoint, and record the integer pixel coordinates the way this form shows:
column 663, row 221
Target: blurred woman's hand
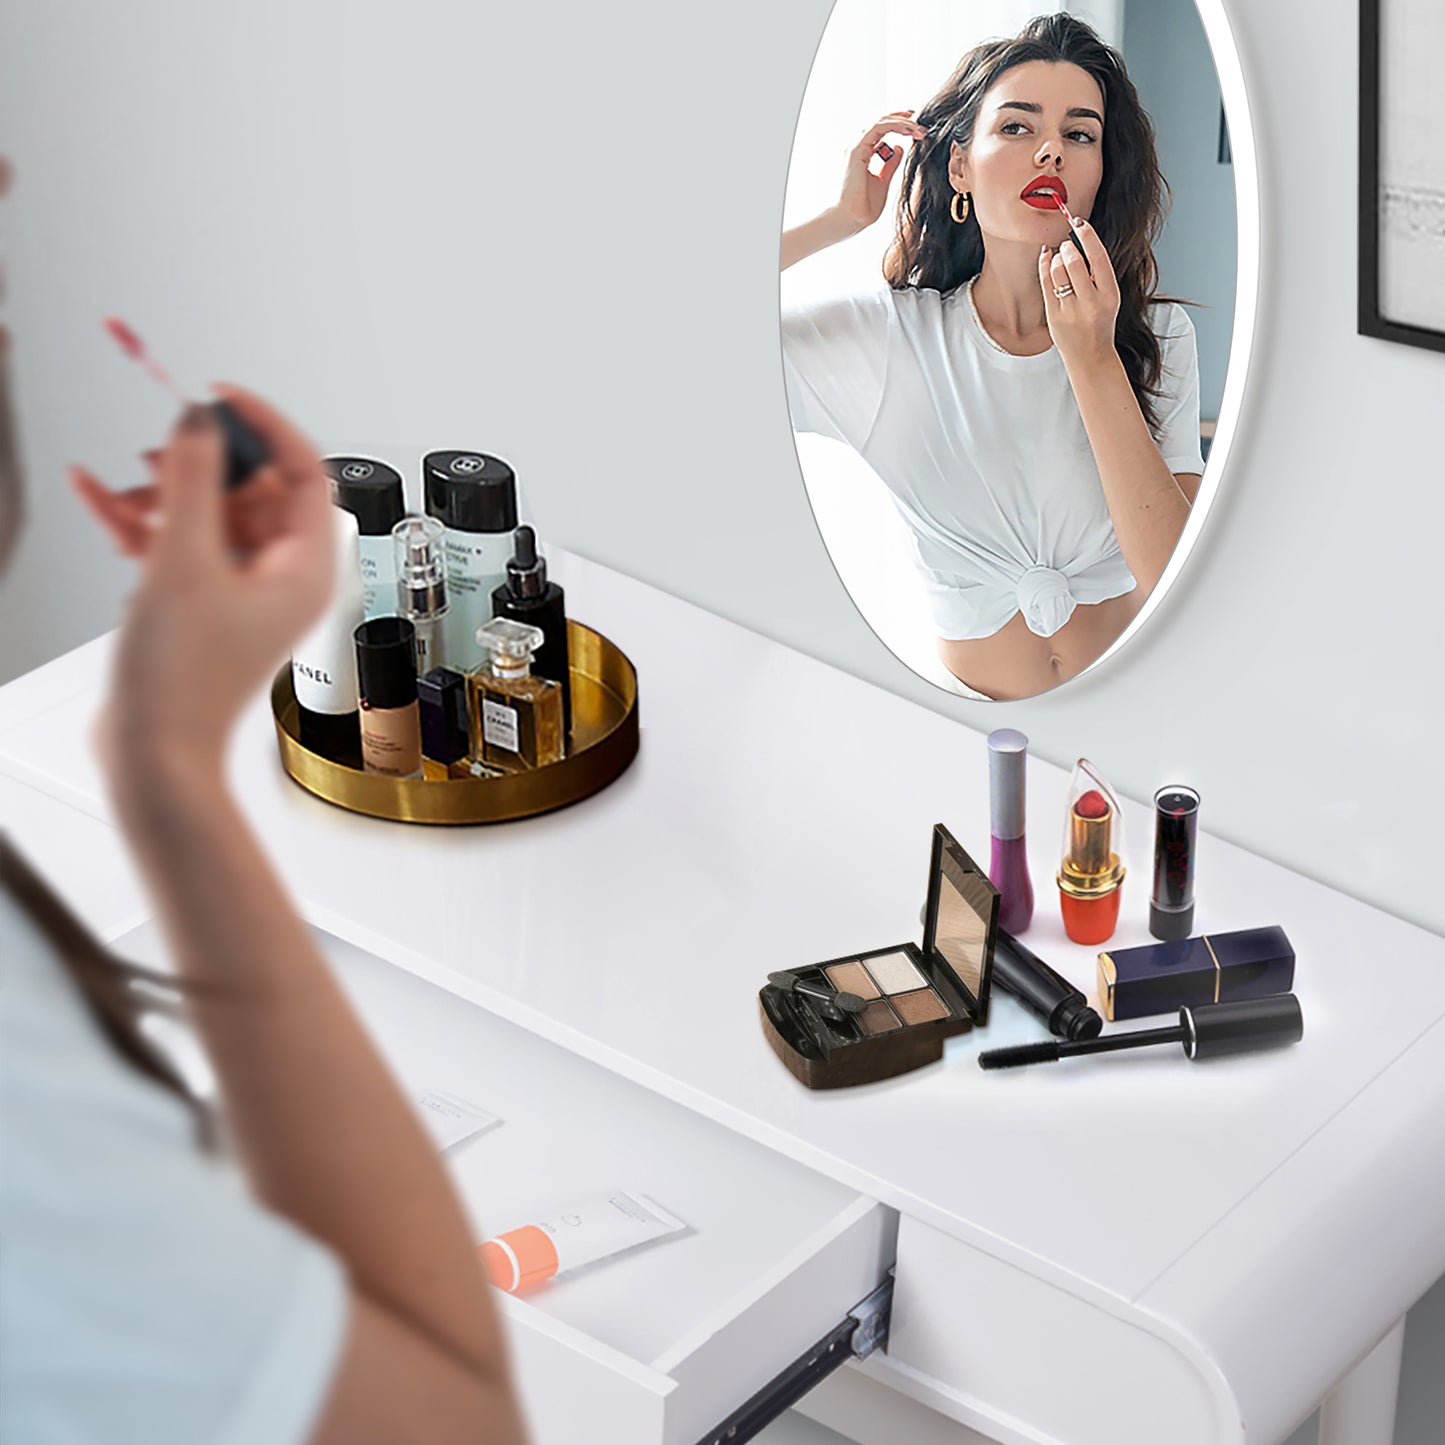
column 228, row 582
column 864, row 194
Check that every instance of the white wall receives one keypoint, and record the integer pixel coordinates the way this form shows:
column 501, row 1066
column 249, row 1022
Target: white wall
column 551, row 231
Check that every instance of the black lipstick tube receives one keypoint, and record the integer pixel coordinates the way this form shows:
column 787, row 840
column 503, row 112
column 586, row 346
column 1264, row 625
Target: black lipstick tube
column 1176, row 821
column 1043, row 990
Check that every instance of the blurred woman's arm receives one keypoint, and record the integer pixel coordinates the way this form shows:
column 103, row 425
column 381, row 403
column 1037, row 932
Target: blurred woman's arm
column 325, row 1135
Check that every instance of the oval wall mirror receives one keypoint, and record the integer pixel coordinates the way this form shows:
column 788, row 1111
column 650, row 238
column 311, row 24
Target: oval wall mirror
column 1019, row 256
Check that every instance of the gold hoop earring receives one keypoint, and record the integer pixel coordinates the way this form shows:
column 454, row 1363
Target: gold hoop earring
column 958, row 208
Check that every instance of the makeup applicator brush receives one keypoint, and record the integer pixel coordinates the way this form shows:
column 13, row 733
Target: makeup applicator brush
column 1206, row 1032
column 832, row 1006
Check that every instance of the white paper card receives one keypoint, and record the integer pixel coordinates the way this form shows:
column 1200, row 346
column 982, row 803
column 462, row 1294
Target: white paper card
column 450, row 1119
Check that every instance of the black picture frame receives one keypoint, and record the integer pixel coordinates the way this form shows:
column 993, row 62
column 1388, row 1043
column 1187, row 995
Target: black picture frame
column 1370, row 321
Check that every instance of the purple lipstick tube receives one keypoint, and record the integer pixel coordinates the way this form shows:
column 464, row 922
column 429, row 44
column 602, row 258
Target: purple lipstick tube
column 1008, row 868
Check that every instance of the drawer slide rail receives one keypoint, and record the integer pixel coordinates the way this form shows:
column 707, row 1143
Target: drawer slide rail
column 864, row 1330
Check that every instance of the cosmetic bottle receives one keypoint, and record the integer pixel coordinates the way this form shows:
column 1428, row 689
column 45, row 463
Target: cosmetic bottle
column 1043, row 990
column 323, row 662
column 246, row 453
column 1090, row 876
column 421, row 587
column 1171, row 905
column 1008, row 868
column 445, row 735
column 390, row 720
column 474, row 496
column 527, row 596
column 516, row 717
column 1205, row 1031
column 372, row 493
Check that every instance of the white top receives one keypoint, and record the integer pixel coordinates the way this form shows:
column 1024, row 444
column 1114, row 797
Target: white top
column 984, row 453
column 146, row 1298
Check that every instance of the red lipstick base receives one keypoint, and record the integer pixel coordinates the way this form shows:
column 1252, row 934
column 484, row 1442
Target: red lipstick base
column 1090, row 920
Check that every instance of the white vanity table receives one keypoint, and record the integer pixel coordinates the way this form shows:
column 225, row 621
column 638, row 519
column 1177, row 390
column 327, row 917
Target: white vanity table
column 1128, row 1250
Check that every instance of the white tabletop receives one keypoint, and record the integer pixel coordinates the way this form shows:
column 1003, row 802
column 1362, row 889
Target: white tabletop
column 779, row 813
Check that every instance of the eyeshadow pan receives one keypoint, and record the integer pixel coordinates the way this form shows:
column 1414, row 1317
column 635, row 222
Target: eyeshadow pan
column 878, row 1018
column 922, row 1007
column 852, row 978
column 895, row 972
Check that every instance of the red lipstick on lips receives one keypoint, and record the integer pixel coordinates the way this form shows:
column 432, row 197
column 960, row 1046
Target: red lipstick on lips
column 1044, row 193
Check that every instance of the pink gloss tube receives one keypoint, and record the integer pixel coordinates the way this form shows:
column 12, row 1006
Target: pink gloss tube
column 1008, row 868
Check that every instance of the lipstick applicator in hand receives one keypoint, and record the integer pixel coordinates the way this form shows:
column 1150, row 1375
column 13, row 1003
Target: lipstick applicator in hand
column 246, row 453
column 1063, row 206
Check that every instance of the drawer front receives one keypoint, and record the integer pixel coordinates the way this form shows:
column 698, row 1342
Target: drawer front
column 776, row 1318
column 659, row 1345
column 1009, row 1354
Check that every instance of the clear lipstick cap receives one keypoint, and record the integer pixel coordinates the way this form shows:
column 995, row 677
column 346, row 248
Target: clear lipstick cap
column 1093, row 832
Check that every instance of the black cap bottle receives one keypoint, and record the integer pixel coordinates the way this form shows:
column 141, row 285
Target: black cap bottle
column 527, row 596
column 372, row 492
column 475, row 498
column 390, row 717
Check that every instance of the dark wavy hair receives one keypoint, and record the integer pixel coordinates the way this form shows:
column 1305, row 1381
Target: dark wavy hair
column 932, row 251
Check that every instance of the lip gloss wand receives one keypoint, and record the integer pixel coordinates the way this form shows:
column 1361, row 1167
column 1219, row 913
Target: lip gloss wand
column 246, row 453
column 1063, row 206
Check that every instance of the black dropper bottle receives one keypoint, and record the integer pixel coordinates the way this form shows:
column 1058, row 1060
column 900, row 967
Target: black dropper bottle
column 527, row 596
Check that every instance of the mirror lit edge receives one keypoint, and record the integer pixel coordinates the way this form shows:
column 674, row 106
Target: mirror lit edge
column 1229, row 68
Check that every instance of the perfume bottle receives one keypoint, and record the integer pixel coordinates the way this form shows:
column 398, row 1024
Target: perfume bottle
column 527, row 596
column 516, row 718
column 1091, row 875
column 421, row 586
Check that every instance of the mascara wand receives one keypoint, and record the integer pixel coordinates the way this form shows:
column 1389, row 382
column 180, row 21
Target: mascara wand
column 1206, row 1032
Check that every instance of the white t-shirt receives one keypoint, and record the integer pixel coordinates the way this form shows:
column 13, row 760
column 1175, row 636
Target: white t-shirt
column 145, row 1297
column 983, row 453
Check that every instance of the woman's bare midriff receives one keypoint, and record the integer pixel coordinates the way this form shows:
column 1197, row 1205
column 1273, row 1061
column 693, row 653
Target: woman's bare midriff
column 1016, row 663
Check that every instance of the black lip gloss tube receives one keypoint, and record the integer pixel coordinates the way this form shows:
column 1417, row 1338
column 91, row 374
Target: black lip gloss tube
column 1176, row 819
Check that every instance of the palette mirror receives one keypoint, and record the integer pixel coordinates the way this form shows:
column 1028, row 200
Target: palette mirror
column 1019, row 258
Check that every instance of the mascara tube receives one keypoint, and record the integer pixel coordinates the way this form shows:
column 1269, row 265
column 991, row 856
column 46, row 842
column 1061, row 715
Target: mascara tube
column 1043, row 990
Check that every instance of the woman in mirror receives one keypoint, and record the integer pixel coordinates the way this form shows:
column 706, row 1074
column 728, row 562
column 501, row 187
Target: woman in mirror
column 1028, row 401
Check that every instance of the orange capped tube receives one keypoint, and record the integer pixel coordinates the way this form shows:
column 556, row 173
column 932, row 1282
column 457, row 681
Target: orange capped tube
column 1090, row 875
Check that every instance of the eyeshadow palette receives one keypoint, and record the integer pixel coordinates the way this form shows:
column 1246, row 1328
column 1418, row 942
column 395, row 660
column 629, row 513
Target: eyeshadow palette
column 869, row 1016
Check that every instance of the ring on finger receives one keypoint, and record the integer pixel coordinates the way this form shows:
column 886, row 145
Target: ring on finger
column 1060, row 292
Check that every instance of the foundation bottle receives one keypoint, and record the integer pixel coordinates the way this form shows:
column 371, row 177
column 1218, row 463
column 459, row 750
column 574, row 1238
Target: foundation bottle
column 390, row 718
column 516, row 717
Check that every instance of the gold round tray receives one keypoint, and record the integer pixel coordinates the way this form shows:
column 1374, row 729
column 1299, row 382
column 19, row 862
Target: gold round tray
column 604, row 742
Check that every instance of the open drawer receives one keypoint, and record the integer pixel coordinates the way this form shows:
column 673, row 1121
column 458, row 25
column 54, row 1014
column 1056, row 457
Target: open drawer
column 654, row 1347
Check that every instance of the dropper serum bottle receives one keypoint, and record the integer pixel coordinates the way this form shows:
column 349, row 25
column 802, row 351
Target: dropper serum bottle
column 516, row 717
